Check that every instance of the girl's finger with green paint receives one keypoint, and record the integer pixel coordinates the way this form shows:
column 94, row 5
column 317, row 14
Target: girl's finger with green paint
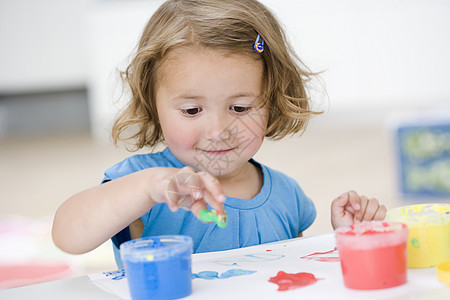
column 200, row 210
column 197, row 207
column 211, row 216
column 212, row 192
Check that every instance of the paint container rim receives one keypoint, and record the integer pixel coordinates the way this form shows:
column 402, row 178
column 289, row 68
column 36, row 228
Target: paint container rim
column 156, row 248
column 371, row 234
column 427, row 214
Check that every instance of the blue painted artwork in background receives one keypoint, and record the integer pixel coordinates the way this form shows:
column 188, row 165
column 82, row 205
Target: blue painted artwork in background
column 424, row 160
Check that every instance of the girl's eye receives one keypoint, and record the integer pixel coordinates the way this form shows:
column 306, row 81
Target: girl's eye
column 240, row 109
column 191, row 111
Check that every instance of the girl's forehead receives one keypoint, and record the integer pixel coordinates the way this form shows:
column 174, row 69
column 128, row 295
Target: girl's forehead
column 180, row 54
column 209, row 74
column 195, row 55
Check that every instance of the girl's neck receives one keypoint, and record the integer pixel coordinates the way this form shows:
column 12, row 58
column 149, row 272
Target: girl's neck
column 246, row 184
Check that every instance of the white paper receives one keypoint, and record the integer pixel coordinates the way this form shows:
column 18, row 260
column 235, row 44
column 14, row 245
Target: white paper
column 268, row 259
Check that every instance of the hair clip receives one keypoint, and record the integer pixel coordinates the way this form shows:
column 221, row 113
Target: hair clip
column 259, row 47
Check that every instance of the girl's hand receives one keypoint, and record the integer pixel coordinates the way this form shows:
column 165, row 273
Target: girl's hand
column 192, row 190
column 350, row 208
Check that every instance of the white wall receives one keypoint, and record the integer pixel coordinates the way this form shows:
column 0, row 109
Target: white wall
column 115, row 28
column 42, row 45
column 377, row 55
column 375, row 52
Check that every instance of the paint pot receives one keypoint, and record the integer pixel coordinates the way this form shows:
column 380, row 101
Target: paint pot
column 158, row 267
column 443, row 272
column 429, row 233
column 373, row 254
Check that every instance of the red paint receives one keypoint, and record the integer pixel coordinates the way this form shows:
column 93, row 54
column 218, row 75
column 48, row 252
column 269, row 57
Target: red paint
column 287, row 281
column 326, row 259
column 385, row 228
column 373, row 254
column 316, row 256
column 375, row 268
column 268, row 250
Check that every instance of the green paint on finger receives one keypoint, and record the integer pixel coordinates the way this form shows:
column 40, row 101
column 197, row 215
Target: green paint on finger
column 211, row 216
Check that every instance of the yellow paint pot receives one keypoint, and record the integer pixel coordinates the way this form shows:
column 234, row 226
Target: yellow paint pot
column 429, row 233
column 443, row 272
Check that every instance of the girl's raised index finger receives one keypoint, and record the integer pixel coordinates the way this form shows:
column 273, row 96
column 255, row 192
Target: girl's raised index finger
column 212, row 185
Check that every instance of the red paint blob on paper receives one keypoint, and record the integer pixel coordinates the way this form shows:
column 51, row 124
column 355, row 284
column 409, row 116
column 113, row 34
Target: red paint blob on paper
column 287, row 281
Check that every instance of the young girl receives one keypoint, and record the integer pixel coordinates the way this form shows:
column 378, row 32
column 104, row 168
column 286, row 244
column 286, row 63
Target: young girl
column 210, row 79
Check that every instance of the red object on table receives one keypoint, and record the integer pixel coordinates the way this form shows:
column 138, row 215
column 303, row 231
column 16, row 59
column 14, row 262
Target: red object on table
column 16, row 275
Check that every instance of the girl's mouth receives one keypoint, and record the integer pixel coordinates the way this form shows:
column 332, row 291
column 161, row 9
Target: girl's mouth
column 217, row 152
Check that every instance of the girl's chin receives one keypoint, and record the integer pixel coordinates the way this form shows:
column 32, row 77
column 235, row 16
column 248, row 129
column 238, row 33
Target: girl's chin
column 217, row 173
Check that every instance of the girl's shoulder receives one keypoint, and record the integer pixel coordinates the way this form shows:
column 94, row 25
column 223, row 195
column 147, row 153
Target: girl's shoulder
column 276, row 177
column 140, row 162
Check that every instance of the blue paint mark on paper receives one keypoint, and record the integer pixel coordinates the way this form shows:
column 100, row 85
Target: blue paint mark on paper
column 116, row 275
column 235, row 272
column 210, row 275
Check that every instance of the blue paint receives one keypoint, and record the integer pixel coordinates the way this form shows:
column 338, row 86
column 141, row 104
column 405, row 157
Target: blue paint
column 116, row 275
column 235, row 272
column 158, row 267
column 210, row 275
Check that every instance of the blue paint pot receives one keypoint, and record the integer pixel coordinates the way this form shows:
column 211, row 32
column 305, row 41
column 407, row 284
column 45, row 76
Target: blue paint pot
column 158, row 267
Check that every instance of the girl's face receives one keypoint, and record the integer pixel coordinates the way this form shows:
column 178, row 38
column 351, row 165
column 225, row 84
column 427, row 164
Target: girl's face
column 207, row 104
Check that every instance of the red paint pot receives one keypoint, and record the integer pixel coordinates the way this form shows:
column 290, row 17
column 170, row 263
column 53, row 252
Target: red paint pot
column 373, row 254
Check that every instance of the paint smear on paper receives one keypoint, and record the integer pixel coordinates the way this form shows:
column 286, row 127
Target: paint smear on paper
column 288, row 281
column 116, row 275
column 210, row 275
column 235, row 272
column 323, row 256
column 249, row 258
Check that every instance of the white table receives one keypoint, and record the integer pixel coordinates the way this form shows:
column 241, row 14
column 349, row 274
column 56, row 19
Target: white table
column 266, row 260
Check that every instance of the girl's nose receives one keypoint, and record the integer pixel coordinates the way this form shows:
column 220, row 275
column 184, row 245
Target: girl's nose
column 218, row 128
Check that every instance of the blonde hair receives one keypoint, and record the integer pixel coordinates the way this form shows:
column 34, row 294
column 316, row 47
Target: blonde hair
column 232, row 26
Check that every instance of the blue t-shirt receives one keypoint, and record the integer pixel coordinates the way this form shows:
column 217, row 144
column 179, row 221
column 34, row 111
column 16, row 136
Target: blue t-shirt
column 279, row 211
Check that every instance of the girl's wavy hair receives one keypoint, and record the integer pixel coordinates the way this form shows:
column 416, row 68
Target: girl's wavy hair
column 231, row 26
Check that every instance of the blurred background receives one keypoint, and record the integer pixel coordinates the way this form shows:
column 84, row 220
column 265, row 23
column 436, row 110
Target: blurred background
column 385, row 67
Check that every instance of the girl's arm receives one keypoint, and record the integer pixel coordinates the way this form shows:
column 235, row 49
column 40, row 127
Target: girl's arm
column 93, row 216
column 350, row 208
